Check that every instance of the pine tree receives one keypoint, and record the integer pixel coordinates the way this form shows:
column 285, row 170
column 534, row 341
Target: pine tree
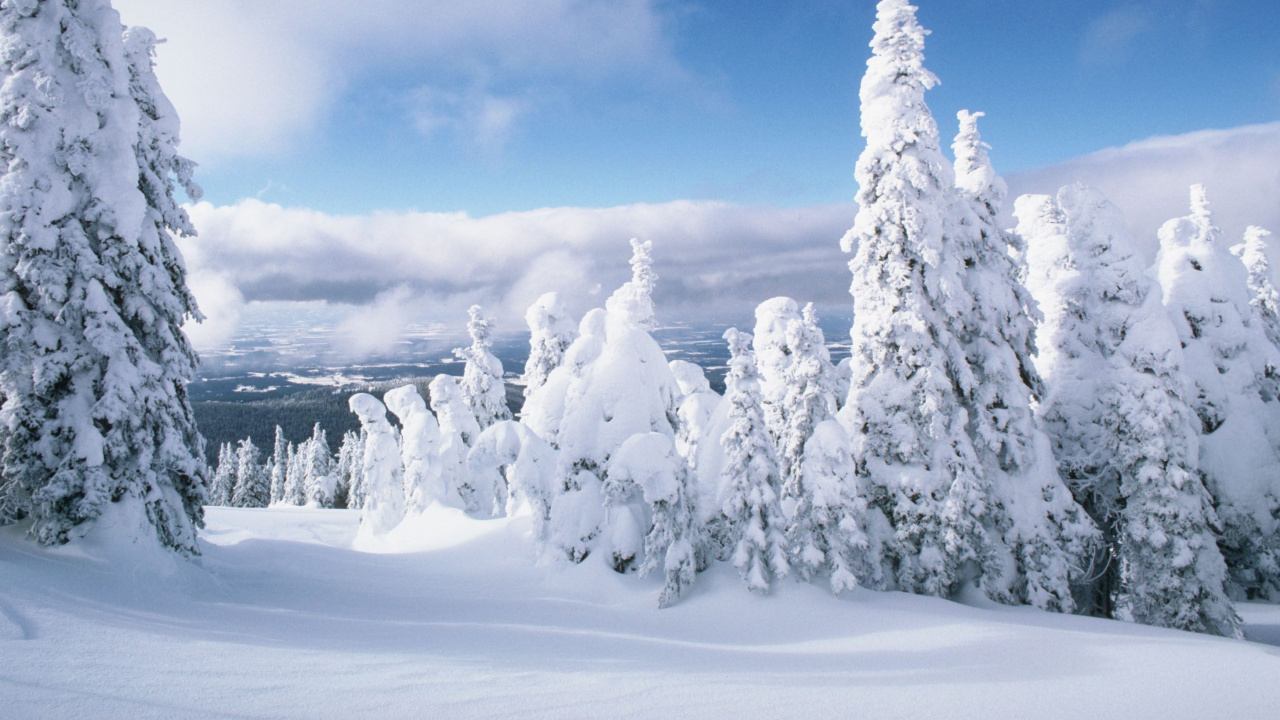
column 92, row 288
column 551, row 332
column 419, row 448
column 1030, row 510
column 318, row 481
column 279, row 467
column 458, row 431
column 1231, row 364
column 350, row 454
column 381, row 475
column 224, row 478
column 751, row 527
column 295, row 487
column 909, row 372
column 482, row 386
column 253, row 487
column 839, row 535
column 1266, row 299
column 694, row 408
column 1116, row 412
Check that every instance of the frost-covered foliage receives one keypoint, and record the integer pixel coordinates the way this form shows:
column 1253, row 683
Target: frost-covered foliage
column 1116, row 412
column 93, row 292
column 1266, row 299
column 551, row 332
column 381, row 474
column 482, row 386
column 295, row 488
column 419, row 448
column 908, row 369
column 319, row 483
column 223, row 485
column 350, row 460
column 279, row 467
column 750, row 529
column 253, row 487
column 458, row 431
column 1233, row 368
column 614, row 383
column 529, row 464
column 694, row 407
column 647, row 467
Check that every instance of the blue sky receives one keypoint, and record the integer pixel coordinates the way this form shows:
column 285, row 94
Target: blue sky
column 747, row 102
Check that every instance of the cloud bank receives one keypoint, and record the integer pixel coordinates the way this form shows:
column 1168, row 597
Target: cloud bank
column 251, row 75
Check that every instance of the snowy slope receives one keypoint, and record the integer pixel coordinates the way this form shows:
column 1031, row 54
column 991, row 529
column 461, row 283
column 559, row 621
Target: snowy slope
column 285, row 620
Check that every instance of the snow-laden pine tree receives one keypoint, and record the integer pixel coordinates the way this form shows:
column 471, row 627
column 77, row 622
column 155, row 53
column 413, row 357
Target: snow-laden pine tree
column 841, row 536
column 458, row 431
column 381, row 474
column 1231, row 364
column 482, row 385
column 750, row 529
column 551, row 332
column 906, row 407
column 295, row 488
column 1048, row 533
column 419, row 448
column 279, row 467
column 694, row 407
column 93, row 292
column 318, row 479
column 350, row 459
column 1266, row 299
column 528, row 463
column 223, row 485
column 253, row 487
column 647, row 464
column 1116, row 412
column 614, row 383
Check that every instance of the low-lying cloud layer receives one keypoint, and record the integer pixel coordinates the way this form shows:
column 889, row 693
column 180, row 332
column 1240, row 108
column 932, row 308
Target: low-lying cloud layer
column 716, row 260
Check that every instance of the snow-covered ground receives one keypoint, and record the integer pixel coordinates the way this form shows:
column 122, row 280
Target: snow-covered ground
column 456, row 619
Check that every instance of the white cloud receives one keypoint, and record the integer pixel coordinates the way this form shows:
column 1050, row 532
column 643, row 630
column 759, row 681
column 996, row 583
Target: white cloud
column 249, row 76
column 1149, row 180
column 1108, row 38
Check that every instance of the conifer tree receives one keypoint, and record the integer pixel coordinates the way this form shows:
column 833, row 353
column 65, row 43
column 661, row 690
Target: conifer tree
column 1116, row 412
column 551, row 332
column 350, row 454
column 419, row 448
column 1266, row 299
column 458, row 431
column 279, row 465
column 751, row 529
column 839, row 535
column 482, row 386
column 253, row 487
column 318, row 481
column 1231, row 365
column 224, row 477
column 909, row 372
column 93, row 294
column 381, row 474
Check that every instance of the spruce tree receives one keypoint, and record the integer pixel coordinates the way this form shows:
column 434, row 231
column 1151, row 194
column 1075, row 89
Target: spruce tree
column 839, row 535
column 279, row 467
column 1266, row 299
column 751, row 529
column 224, row 477
column 318, row 481
column 93, row 293
column 1231, row 364
column 482, row 386
column 551, row 332
column 350, row 454
column 381, row 474
column 253, row 487
column 1115, row 408
column 906, row 409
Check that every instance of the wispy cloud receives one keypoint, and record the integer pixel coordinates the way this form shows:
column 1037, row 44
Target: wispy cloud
column 1109, row 38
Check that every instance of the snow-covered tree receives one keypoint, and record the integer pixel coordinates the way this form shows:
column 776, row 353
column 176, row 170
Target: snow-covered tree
column 1266, row 299
column 350, row 460
column 529, row 464
column 223, row 486
column 1116, row 412
column 614, row 383
column 551, row 332
column 318, row 479
column 295, row 486
column 909, row 372
column 381, row 474
column 648, row 465
column 93, row 293
column 1033, row 512
column 279, row 467
column 694, row 407
column 1231, row 364
column 419, row 447
column 482, row 386
column 458, row 431
column 253, row 487
column 751, row 529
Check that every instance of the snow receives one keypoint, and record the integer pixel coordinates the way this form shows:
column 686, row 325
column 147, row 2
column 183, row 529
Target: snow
column 284, row 619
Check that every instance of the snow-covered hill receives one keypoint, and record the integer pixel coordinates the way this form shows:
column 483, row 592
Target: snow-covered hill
column 456, row 619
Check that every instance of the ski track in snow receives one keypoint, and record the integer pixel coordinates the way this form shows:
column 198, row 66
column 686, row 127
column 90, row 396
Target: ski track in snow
column 282, row 619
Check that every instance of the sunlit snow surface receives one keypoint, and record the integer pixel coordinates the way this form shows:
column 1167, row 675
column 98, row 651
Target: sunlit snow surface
column 454, row 618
